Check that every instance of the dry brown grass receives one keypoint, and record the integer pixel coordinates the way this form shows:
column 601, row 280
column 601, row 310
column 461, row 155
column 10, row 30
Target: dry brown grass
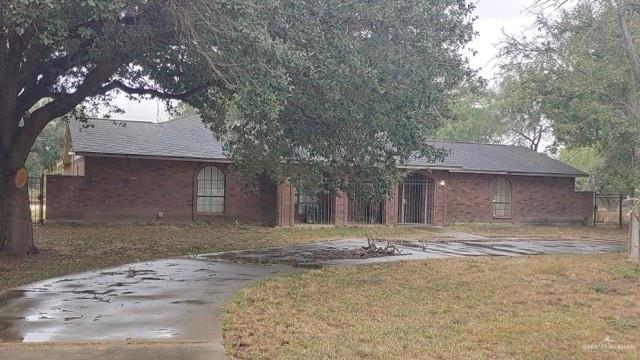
column 541, row 307
column 546, row 231
column 66, row 248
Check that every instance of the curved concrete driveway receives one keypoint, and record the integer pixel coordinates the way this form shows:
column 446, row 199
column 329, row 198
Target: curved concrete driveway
column 170, row 309
column 177, row 301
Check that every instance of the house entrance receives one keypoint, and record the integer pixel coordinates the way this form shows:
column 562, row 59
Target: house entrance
column 415, row 205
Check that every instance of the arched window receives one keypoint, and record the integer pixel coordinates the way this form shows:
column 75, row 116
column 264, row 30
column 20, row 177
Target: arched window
column 502, row 198
column 210, row 186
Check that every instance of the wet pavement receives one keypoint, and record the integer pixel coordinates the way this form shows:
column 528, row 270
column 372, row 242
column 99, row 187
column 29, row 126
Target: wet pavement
column 112, row 351
column 172, row 300
column 319, row 254
column 178, row 302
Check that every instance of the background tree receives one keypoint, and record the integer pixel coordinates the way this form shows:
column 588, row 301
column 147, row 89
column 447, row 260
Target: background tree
column 341, row 90
column 588, row 159
column 522, row 104
column 475, row 119
column 590, row 56
column 587, row 93
column 46, row 150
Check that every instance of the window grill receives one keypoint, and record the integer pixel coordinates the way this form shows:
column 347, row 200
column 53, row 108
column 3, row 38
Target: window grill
column 415, row 205
column 210, row 191
column 363, row 210
column 313, row 208
column 501, row 199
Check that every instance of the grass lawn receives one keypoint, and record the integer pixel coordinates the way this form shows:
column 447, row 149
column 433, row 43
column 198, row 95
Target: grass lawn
column 66, row 248
column 546, row 231
column 539, row 307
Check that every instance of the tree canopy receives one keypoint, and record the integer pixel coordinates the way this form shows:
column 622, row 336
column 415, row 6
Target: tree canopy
column 584, row 84
column 330, row 89
column 475, row 119
column 357, row 86
column 522, row 104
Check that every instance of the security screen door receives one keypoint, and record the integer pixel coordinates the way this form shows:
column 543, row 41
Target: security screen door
column 415, row 200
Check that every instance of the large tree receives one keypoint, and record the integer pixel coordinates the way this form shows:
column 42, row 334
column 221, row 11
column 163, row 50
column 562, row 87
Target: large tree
column 332, row 89
column 588, row 89
column 589, row 54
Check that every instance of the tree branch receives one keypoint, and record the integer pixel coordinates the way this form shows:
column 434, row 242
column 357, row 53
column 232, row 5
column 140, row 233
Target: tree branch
column 30, row 68
column 117, row 84
column 25, row 138
column 630, row 47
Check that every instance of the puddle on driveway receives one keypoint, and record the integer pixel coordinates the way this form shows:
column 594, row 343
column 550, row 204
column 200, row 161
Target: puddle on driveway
column 173, row 298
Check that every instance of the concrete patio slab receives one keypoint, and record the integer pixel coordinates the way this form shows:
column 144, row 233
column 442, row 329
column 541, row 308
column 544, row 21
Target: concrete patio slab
column 317, row 254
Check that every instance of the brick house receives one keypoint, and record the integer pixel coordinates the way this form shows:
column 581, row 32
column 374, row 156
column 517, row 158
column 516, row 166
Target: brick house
column 131, row 171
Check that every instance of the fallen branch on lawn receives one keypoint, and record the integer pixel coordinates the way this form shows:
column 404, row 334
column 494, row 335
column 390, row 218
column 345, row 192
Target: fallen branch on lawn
column 372, row 248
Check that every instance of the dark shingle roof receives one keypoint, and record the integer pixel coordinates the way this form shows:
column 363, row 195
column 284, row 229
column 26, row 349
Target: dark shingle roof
column 488, row 158
column 188, row 138
column 185, row 137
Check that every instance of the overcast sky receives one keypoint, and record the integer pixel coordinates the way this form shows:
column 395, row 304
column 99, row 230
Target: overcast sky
column 493, row 17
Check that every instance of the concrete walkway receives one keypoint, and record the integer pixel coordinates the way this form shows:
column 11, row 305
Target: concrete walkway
column 113, row 351
column 171, row 309
column 175, row 300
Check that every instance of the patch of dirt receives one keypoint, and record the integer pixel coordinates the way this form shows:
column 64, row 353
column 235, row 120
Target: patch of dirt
column 300, row 258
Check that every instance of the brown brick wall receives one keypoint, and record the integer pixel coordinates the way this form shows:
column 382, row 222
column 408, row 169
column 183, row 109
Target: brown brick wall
column 64, row 198
column 284, row 205
column 390, row 208
column 467, row 198
column 534, row 199
column 340, row 209
column 117, row 189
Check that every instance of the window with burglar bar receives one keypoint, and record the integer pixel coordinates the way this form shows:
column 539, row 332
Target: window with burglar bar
column 363, row 210
column 313, row 208
column 210, row 187
column 501, row 199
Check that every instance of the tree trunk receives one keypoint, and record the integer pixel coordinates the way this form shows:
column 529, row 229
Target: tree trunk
column 634, row 236
column 16, row 233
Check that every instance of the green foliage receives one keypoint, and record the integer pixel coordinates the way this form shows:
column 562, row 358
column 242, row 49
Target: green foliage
column 352, row 89
column 522, row 104
column 311, row 91
column 587, row 91
column 589, row 160
column 476, row 119
column 47, row 148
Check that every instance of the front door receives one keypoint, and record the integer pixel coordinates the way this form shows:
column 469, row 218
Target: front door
column 415, row 200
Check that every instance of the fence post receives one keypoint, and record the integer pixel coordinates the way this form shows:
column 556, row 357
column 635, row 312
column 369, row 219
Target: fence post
column 595, row 207
column 42, row 182
column 620, row 212
column 634, row 235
